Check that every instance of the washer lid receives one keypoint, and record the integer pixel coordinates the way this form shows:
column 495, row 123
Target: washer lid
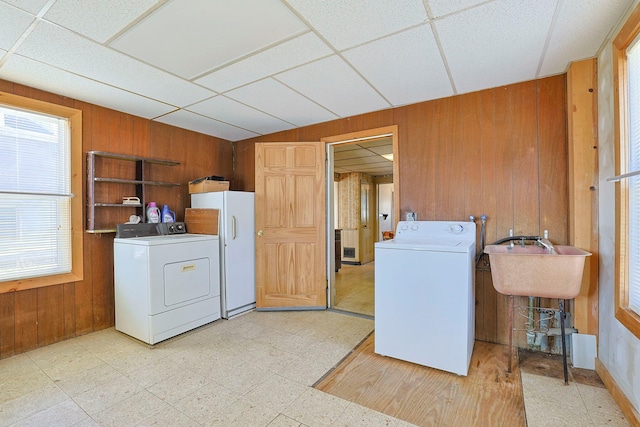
column 432, row 245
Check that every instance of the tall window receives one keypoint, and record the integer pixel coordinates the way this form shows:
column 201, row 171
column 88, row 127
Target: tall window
column 633, row 156
column 626, row 66
column 35, row 195
column 40, row 193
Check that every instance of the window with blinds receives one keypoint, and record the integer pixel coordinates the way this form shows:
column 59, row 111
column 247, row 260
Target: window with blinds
column 633, row 156
column 35, row 194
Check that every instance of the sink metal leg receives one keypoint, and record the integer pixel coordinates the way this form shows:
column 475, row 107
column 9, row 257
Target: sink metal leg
column 564, row 341
column 510, row 332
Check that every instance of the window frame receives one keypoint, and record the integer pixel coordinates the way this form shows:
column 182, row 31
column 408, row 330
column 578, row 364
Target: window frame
column 75, row 123
column 625, row 37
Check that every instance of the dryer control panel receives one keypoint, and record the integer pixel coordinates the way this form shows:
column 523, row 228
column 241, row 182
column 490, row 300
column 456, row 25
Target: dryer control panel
column 436, row 229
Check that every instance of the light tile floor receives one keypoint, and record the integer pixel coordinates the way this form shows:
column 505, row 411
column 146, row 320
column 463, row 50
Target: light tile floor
column 549, row 402
column 254, row 370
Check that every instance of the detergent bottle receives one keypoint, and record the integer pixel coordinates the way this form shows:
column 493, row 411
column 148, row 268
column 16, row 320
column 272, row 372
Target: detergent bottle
column 153, row 213
column 167, row 215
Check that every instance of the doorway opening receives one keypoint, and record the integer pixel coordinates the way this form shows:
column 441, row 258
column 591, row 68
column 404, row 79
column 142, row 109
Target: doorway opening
column 362, row 209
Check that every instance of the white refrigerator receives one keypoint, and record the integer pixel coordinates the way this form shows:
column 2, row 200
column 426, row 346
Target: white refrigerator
column 236, row 229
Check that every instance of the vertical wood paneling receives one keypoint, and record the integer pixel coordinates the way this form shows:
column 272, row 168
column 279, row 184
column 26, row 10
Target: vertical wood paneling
column 485, row 293
column 7, row 324
column 488, row 152
column 69, row 310
column 26, row 318
column 504, row 189
column 446, row 169
column 524, row 153
column 416, row 148
column 460, row 156
column 32, row 318
column 553, row 155
column 50, row 307
column 472, row 167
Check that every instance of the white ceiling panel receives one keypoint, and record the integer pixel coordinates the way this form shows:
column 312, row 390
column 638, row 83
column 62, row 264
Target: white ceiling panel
column 41, row 76
column 349, row 23
column 252, row 67
column 65, row 50
column 31, row 6
column 276, row 99
column 334, row 85
column 98, row 20
column 218, row 31
column 197, row 123
column 13, row 22
column 298, row 51
column 406, row 67
column 237, row 114
column 497, row 44
column 445, row 7
column 579, row 31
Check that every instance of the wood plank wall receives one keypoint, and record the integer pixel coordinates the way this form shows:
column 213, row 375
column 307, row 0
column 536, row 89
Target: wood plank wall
column 500, row 152
column 38, row 317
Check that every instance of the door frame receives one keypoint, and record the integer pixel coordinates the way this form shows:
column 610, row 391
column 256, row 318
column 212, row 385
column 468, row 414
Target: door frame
column 331, row 141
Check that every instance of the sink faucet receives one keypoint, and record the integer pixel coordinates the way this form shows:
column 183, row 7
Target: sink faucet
column 545, row 243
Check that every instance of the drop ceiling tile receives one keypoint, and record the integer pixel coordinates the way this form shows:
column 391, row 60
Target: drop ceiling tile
column 445, row 7
column 237, row 114
column 276, row 99
column 349, row 23
column 68, row 51
column 298, row 51
column 352, row 154
column 31, row 6
column 580, row 28
column 385, row 149
column 412, row 69
column 197, row 123
column 191, row 37
column 333, row 84
column 41, row 76
column 98, row 20
column 14, row 23
column 496, row 44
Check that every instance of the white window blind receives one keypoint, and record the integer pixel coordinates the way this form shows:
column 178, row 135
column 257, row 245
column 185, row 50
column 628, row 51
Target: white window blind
column 35, row 194
column 633, row 64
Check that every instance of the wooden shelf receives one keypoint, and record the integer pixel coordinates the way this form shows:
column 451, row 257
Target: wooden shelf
column 138, row 183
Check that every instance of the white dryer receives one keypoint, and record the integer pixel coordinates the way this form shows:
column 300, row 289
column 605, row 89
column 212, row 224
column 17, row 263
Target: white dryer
column 425, row 294
column 165, row 284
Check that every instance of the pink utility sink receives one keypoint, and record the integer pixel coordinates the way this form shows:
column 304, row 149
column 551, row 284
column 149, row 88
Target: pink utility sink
column 535, row 271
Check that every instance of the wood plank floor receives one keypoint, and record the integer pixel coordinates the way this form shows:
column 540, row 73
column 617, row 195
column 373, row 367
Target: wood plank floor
column 488, row 396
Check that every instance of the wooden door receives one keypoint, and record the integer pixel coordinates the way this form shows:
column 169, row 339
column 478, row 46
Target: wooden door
column 290, row 225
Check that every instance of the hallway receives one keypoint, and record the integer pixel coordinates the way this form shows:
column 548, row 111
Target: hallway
column 355, row 289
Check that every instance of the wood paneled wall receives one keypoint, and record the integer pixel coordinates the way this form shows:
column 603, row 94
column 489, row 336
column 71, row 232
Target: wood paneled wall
column 501, row 152
column 38, row 317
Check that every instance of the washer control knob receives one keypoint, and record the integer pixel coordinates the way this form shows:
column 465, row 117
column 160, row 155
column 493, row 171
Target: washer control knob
column 414, row 227
column 457, row 228
column 404, row 227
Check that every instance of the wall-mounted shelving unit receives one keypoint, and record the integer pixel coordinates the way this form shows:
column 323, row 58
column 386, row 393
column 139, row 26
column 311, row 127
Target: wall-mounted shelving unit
column 139, row 182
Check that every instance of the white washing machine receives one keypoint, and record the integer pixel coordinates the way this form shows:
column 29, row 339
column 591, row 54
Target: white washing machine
column 425, row 294
column 165, row 284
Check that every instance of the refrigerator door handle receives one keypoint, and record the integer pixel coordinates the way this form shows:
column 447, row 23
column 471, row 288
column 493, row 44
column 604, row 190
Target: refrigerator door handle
column 233, row 227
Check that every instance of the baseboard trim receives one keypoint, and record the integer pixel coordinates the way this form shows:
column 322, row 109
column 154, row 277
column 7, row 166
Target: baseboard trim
column 625, row 405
